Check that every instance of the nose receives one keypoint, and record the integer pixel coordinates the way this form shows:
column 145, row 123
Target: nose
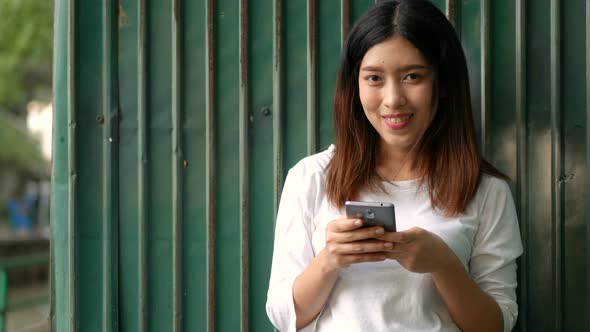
column 394, row 96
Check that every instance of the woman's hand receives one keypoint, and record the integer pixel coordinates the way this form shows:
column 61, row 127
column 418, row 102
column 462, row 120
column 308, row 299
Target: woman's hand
column 348, row 243
column 419, row 250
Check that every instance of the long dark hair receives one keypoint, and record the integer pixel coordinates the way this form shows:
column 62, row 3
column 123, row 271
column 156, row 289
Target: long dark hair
column 448, row 158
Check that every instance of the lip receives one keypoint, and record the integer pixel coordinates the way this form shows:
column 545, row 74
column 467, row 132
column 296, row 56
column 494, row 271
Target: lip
column 397, row 126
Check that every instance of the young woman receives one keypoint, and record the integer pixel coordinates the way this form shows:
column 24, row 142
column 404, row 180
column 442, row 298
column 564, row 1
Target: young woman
column 405, row 135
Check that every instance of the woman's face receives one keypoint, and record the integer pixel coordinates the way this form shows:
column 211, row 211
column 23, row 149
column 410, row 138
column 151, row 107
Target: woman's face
column 396, row 92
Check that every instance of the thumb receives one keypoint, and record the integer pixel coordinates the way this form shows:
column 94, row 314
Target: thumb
column 402, row 237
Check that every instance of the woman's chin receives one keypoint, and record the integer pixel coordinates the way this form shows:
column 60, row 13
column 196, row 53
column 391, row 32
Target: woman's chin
column 395, row 143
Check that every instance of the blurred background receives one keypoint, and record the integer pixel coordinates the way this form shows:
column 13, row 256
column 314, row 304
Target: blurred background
column 25, row 158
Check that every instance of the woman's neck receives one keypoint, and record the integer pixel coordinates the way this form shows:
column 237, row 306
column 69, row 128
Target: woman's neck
column 395, row 165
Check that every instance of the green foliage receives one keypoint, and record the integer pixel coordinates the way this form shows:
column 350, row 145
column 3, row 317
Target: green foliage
column 19, row 150
column 25, row 52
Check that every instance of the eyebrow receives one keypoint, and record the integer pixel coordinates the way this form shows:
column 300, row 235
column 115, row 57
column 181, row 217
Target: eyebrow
column 405, row 68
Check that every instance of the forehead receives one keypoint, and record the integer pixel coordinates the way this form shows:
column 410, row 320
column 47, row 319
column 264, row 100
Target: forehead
column 393, row 52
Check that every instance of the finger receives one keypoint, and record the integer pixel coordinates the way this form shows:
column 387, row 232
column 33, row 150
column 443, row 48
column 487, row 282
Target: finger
column 399, row 247
column 364, row 247
column 343, row 225
column 395, row 255
column 357, row 234
column 397, row 237
column 361, row 258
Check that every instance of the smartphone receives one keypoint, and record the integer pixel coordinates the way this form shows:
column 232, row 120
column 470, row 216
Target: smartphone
column 372, row 214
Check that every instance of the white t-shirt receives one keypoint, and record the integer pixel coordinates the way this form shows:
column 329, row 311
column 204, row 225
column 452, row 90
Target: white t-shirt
column 383, row 296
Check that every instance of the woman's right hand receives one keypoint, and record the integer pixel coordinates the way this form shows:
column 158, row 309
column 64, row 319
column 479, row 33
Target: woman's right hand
column 347, row 243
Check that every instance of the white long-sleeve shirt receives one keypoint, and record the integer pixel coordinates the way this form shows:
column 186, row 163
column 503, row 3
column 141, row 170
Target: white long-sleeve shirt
column 383, row 296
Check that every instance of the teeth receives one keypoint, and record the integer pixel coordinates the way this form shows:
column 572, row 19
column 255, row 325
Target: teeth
column 398, row 119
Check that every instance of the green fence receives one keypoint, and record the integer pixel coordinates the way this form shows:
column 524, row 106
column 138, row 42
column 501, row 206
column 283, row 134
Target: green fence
column 176, row 122
column 7, row 264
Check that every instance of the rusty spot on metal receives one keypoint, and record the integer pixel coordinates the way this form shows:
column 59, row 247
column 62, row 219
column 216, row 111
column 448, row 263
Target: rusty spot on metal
column 176, row 9
column 278, row 181
column 312, row 110
column 244, row 43
column 123, row 17
column 141, row 22
column 210, row 33
column 345, row 18
column 278, row 22
column 566, row 178
column 451, row 11
column 312, row 29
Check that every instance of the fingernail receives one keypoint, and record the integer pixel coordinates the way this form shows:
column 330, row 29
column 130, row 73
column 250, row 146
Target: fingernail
column 358, row 222
column 388, row 245
column 379, row 231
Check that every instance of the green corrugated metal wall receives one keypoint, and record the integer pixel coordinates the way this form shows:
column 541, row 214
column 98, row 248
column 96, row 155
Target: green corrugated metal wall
column 176, row 121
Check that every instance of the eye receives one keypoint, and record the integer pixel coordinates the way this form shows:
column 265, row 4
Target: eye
column 411, row 77
column 373, row 78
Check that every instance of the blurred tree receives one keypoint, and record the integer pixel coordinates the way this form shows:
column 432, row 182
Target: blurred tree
column 25, row 53
column 19, row 150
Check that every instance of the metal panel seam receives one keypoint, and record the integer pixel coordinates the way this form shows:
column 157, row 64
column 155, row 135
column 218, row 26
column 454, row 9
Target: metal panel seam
column 587, row 158
column 210, row 157
column 344, row 20
column 142, row 165
column 521, row 155
column 278, row 79
column 453, row 11
column 485, row 69
column 243, row 163
column 51, row 317
column 109, row 141
column 72, row 211
column 556, row 163
column 176, row 172
column 312, row 108
column 450, row 11
column 58, row 22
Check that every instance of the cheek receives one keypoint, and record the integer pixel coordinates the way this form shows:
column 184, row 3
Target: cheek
column 425, row 106
column 370, row 99
column 423, row 98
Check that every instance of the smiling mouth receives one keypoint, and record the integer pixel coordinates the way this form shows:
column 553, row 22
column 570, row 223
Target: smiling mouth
column 397, row 118
column 397, row 121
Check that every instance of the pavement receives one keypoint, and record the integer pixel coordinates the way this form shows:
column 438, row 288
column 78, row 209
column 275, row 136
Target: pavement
column 34, row 318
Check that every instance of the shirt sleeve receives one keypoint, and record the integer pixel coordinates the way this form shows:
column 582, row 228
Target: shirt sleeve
column 497, row 246
column 292, row 248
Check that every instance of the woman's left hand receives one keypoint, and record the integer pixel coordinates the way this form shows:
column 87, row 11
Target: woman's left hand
column 419, row 250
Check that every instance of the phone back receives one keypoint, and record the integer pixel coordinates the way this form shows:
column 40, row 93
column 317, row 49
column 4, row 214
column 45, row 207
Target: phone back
column 372, row 213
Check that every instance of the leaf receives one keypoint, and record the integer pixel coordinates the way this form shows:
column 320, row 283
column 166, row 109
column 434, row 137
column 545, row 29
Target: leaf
column 25, row 47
